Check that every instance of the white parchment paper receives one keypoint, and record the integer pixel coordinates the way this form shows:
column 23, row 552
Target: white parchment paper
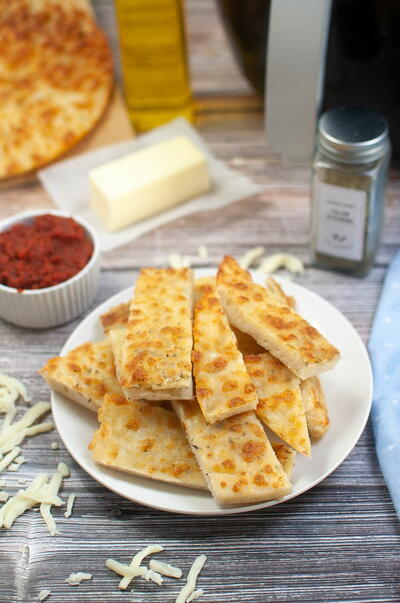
column 68, row 185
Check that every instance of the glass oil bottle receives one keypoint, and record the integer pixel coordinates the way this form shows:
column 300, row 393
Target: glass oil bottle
column 154, row 61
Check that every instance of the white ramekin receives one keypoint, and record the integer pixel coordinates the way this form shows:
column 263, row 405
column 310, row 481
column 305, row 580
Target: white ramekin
column 51, row 306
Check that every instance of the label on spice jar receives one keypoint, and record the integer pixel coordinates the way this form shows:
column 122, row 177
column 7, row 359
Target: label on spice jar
column 340, row 221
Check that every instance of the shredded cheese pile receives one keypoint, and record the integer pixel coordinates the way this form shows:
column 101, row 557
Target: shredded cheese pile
column 41, row 491
column 10, row 390
column 271, row 263
column 251, row 256
column 12, row 433
column 176, row 261
column 189, row 589
column 157, row 570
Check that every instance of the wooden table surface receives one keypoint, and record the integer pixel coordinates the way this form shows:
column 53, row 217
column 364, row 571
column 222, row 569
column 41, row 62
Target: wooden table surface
column 339, row 541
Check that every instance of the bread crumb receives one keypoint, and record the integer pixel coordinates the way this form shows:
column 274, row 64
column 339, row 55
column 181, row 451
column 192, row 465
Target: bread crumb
column 54, row 446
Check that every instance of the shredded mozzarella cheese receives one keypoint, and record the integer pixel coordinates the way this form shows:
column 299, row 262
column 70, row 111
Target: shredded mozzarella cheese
column 75, row 579
column 8, row 459
column 190, row 585
column 202, row 252
column 165, row 569
column 272, row 263
column 10, row 390
column 127, row 571
column 52, row 489
column 3, row 496
column 175, row 261
column 137, row 559
column 22, row 501
column 13, row 434
column 195, row 595
column 13, row 467
column 250, row 257
column 153, row 577
column 39, row 492
column 70, row 504
column 44, row 594
column 63, row 469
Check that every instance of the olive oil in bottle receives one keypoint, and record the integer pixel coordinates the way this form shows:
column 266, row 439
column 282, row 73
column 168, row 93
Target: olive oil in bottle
column 154, row 63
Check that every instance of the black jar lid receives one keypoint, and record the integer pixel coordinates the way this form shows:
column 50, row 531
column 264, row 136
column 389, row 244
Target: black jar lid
column 353, row 134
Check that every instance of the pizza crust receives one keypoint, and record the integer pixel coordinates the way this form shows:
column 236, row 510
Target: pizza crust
column 145, row 440
column 275, row 327
column 157, row 345
column 85, row 374
column 223, row 386
column 56, row 81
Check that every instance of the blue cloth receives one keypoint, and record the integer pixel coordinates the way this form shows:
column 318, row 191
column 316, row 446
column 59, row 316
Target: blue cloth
column 384, row 348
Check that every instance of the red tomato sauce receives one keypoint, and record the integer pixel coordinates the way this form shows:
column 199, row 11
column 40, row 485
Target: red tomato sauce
column 49, row 251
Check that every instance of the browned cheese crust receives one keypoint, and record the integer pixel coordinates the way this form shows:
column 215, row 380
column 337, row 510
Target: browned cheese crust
column 280, row 405
column 223, row 386
column 115, row 318
column 84, row 375
column 235, row 456
column 276, row 327
column 146, row 440
column 157, row 347
column 315, row 406
column 156, row 396
column 276, row 290
column 56, row 79
column 286, row 456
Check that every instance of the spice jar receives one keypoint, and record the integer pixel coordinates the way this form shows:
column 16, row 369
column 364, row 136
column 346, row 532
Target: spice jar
column 348, row 184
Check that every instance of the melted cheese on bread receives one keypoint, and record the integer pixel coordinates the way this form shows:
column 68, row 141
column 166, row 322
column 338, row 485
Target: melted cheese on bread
column 115, row 317
column 235, row 456
column 280, row 404
column 315, row 407
column 85, row 374
column 276, row 327
column 157, row 347
column 145, row 440
column 223, row 386
column 117, row 336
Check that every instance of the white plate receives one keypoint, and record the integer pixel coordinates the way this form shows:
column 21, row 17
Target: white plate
column 348, row 389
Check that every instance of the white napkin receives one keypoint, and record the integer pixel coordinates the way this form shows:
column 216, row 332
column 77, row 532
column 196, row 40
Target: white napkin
column 67, row 183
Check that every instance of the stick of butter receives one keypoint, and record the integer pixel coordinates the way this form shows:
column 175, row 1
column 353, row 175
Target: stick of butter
column 146, row 182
